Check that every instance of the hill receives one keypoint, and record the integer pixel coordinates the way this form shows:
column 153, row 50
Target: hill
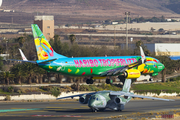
column 95, row 7
column 73, row 10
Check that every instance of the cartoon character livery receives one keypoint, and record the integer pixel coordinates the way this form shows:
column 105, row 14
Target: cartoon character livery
column 125, row 67
column 114, row 100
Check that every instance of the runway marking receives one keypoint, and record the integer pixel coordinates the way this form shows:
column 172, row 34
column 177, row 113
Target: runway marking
column 56, row 116
column 15, row 110
column 61, row 103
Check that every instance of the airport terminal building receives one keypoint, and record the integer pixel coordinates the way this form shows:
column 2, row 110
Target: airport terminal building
column 170, row 49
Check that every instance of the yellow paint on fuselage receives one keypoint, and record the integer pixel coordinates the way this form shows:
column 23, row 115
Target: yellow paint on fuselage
column 50, row 67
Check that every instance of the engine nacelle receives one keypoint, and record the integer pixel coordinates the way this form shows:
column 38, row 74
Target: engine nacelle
column 117, row 100
column 84, row 99
column 132, row 74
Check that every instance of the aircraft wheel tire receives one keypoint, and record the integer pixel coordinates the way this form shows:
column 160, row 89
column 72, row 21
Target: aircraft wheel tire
column 150, row 79
column 109, row 81
column 88, row 81
column 94, row 110
column 91, row 81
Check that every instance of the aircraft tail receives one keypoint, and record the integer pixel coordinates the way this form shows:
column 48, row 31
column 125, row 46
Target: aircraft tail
column 127, row 85
column 43, row 48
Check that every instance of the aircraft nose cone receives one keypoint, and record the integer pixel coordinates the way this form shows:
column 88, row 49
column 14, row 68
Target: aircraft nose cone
column 161, row 67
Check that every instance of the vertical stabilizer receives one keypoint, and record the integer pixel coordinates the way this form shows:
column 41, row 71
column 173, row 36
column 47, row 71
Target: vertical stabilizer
column 127, row 85
column 44, row 49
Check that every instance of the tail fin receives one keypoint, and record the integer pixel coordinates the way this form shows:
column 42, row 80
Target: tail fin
column 43, row 48
column 127, row 85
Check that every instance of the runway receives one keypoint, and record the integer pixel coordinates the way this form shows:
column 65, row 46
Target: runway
column 73, row 110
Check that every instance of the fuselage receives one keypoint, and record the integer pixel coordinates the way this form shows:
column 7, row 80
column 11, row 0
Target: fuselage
column 103, row 99
column 94, row 66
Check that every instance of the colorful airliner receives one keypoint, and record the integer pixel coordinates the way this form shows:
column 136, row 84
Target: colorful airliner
column 126, row 67
column 114, row 100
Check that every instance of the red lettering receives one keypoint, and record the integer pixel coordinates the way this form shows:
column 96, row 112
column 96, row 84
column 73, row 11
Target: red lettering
column 88, row 63
column 95, row 62
column 100, row 62
column 91, row 62
column 77, row 63
column 85, row 62
column 112, row 62
column 108, row 62
column 81, row 63
column 104, row 62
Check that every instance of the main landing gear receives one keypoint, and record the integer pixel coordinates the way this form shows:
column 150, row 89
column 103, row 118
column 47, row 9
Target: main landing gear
column 109, row 81
column 90, row 81
column 150, row 79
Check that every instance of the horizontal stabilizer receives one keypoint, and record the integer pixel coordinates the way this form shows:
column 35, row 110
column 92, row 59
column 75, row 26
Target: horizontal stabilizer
column 34, row 62
column 46, row 61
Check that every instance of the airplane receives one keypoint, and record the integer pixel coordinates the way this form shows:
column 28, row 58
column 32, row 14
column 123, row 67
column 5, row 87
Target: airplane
column 114, row 100
column 125, row 67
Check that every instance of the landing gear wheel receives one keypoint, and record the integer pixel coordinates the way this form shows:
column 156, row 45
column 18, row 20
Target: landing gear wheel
column 109, row 81
column 150, row 79
column 89, row 81
column 94, row 110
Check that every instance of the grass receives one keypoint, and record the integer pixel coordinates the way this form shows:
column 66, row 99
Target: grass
column 168, row 87
column 6, row 93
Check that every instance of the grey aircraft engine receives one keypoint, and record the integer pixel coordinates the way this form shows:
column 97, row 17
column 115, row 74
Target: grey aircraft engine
column 84, row 99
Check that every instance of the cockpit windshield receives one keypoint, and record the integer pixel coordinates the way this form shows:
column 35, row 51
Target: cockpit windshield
column 95, row 98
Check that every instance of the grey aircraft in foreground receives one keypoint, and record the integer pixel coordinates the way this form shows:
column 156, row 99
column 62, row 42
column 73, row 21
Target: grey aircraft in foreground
column 115, row 100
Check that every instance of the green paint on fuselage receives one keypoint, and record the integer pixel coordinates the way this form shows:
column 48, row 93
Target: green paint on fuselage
column 67, row 66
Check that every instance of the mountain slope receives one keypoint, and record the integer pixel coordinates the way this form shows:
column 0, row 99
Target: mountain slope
column 93, row 7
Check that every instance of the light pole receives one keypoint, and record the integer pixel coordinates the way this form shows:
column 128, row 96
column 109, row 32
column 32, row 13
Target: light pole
column 127, row 13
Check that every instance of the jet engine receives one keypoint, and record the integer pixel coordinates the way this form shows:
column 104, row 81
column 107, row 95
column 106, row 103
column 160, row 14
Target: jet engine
column 117, row 100
column 132, row 74
column 84, row 99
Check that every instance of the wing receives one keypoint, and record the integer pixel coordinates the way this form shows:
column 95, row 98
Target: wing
column 120, row 70
column 77, row 95
column 137, row 96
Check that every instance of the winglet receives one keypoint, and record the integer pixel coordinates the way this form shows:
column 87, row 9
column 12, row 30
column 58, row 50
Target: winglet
column 143, row 57
column 22, row 55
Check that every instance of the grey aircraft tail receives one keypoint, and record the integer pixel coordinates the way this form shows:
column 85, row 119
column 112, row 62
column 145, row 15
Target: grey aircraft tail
column 127, row 85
